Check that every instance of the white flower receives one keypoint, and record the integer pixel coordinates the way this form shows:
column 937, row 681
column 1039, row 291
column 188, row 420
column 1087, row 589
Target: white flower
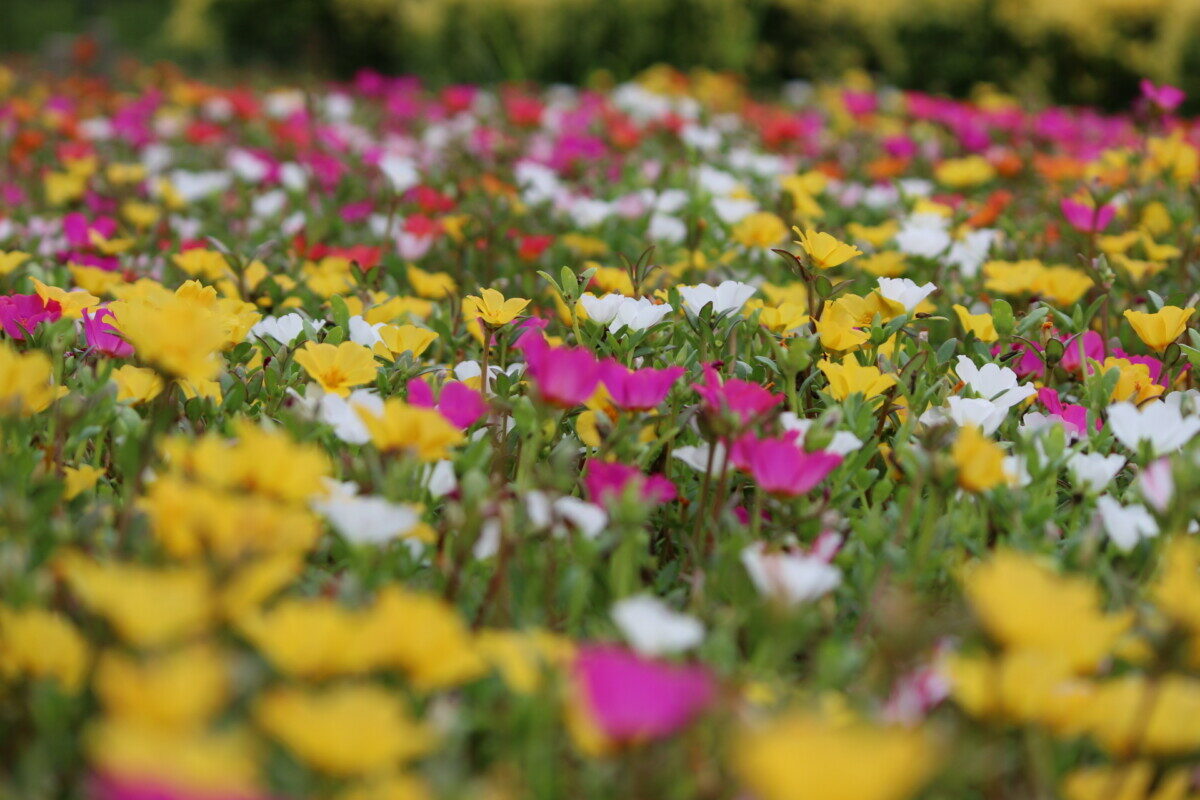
column 923, row 235
column 729, row 296
column 969, row 252
column 587, row 212
column 588, row 518
column 193, row 186
column 637, row 314
column 696, row 457
column 601, row 309
column 1014, row 467
column 465, row 370
column 368, row 520
column 342, row 414
column 269, row 204
column 1157, row 484
column 715, row 181
column 905, row 292
column 843, row 444
column 792, row 577
column 401, row 172
column 1125, row 525
column 993, row 382
column 653, row 628
column 440, row 479
column 666, row 228
column 283, row 329
column 1160, row 424
column 249, row 167
column 733, row 210
column 1093, row 471
column 364, row 333
column 967, row 411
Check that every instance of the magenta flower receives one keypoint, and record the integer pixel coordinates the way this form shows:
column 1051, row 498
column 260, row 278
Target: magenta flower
column 111, row 787
column 1153, row 364
column 746, row 400
column 1085, row 218
column 638, row 390
column 564, row 376
column 606, row 482
column 101, row 336
column 20, row 314
column 1093, row 350
column 459, row 403
column 1073, row 416
column 633, row 698
column 1167, row 98
column 77, row 228
column 781, row 466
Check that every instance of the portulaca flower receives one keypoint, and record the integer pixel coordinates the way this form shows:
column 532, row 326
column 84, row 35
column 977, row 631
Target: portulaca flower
column 400, row 171
column 588, row 518
column 729, row 296
column 440, row 479
column 364, row 333
column 666, row 228
column 1093, row 471
column 1157, row 484
column 283, row 329
column 192, row 186
column 696, row 456
column 923, row 235
column 843, row 443
column 715, row 181
column 1160, row 424
column 653, row 628
column 601, row 309
column 793, row 578
column 1125, row 525
column 977, row 411
column 993, row 382
column 637, row 314
column 905, row 292
column 465, row 370
column 733, row 210
column 342, row 414
column 969, row 252
column 366, row 520
column 589, row 212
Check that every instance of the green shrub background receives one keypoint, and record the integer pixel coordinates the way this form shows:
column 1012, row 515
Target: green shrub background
column 1077, row 51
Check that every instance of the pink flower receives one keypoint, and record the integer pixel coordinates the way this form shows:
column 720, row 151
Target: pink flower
column 780, row 466
column 746, row 400
column 606, row 482
column 1085, row 218
column 102, row 336
column 630, row 697
column 459, row 403
column 564, row 376
column 1166, row 97
column 638, row 390
column 1153, row 364
column 1157, row 484
column 1093, row 350
column 1073, row 416
column 20, row 314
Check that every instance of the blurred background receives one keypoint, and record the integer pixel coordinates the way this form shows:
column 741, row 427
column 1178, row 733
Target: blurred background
column 1075, row 51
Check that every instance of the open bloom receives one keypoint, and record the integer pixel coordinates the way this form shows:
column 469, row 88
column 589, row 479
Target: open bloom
column 102, row 336
column 1125, row 525
column 849, row 377
column 457, row 402
column 1162, row 327
column 790, row 575
column 492, row 307
column 1162, row 425
column 728, row 296
column 337, row 368
column 904, row 294
column 781, row 466
column 21, row 314
column 640, row 389
column 630, row 698
column 564, row 376
column 607, row 481
column 993, row 382
column 1166, row 97
column 744, row 399
column 653, row 628
column 1084, row 217
column 824, row 250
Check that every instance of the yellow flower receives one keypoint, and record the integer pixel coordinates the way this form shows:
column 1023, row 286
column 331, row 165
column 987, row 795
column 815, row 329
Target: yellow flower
column 611, row 279
column 177, row 333
column 805, row 757
column 1177, row 590
column 431, row 285
column 422, row 431
column 344, row 730
column 331, row 276
column 1134, row 383
column 72, row 303
column 178, row 690
column 492, row 308
column 424, row 636
column 80, row 479
column 137, row 384
column 224, row 764
column 147, row 606
column 26, row 381
column 203, row 263
column 394, row 787
column 1132, row 781
column 1062, row 285
column 874, row 235
column 841, row 325
column 885, row 264
column 521, row 657
column 337, row 368
column 959, row 173
column 849, row 377
column 760, row 229
column 11, row 259
column 1011, row 594
column 782, row 319
column 397, row 339
column 95, row 280
column 1019, row 685
column 42, row 644
column 1137, row 268
column 980, row 461
column 778, row 295
column 1149, row 714
column 125, row 173
column 1159, row 329
column 979, row 324
column 395, row 307
column 140, row 215
column 824, row 250
column 63, row 187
